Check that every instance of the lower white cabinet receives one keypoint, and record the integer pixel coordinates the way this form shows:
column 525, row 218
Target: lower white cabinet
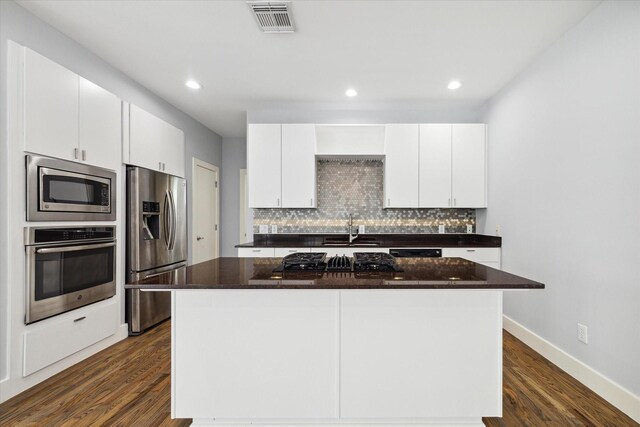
column 406, row 353
column 282, row 252
column 50, row 340
column 256, row 252
column 490, row 257
column 256, row 354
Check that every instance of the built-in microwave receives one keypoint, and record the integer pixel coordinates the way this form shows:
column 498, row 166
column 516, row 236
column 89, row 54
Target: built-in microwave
column 58, row 190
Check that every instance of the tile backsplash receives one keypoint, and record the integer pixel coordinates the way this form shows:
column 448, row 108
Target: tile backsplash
column 355, row 187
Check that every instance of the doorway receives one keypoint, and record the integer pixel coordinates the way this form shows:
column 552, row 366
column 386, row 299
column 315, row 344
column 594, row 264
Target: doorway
column 205, row 238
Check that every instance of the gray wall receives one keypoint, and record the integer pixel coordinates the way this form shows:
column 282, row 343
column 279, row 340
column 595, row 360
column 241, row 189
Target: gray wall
column 234, row 158
column 564, row 185
column 19, row 25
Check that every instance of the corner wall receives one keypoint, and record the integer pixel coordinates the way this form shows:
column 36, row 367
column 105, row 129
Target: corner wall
column 564, row 187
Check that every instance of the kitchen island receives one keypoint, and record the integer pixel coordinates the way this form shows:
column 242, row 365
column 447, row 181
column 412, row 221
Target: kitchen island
column 421, row 346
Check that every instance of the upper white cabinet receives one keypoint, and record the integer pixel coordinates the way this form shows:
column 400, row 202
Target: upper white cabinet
column 468, row 177
column 452, row 166
column 401, row 166
column 264, row 165
column 100, row 127
column 155, row 144
column 435, row 165
column 298, row 166
column 68, row 117
column 281, row 165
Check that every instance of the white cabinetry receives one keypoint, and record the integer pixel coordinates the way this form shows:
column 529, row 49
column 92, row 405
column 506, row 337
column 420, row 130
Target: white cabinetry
column 155, row 144
column 281, row 165
column 67, row 116
column 401, row 355
column 490, row 257
column 264, row 165
column 401, row 166
column 100, row 129
column 256, row 253
column 298, row 166
column 255, row 354
column 282, row 252
column 452, row 165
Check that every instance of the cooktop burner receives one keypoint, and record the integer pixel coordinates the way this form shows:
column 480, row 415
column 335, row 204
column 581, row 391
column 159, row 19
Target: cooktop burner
column 314, row 261
column 317, row 261
column 374, row 261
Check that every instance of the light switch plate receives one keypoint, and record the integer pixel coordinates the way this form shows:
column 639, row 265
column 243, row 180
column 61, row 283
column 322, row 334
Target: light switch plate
column 441, row 228
column 264, row 229
column 361, row 229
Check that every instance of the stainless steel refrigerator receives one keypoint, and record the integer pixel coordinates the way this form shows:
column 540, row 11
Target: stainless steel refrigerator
column 156, row 241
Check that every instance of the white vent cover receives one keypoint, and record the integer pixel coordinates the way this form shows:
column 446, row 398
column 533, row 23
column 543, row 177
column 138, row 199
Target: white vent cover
column 273, row 16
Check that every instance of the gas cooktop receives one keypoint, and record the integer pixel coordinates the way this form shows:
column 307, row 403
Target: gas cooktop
column 317, row 261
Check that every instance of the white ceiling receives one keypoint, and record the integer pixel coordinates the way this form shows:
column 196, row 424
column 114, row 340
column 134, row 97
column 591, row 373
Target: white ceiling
column 388, row 50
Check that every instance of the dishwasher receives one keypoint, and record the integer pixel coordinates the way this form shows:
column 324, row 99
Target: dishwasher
column 416, row 253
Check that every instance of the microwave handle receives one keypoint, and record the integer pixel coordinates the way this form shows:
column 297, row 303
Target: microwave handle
column 74, row 248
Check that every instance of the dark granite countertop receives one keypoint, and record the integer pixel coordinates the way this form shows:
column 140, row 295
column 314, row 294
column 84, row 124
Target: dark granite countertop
column 256, row 273
column 381, row 240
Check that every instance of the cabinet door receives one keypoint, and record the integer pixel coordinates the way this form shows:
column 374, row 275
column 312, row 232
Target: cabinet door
column 435, row 165
column 469, row 166
column 155, row 144
column 298, row 166
column 100, row 126
column 401, row 166
column 50, row 108
column 264, row 165
column 256, row 252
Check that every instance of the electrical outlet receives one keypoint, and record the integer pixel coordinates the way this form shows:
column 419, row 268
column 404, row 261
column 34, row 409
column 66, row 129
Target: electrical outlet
column 361, row 229
column 582, row 334
column 263, row 229
column 441, row 228
column 469, row 229
column 274, row 229
column 497, row 230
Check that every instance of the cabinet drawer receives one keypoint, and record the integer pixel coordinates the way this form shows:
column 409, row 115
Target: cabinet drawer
column 280, row 252
column 54, row 340
column 256, row 252
column 473, row 254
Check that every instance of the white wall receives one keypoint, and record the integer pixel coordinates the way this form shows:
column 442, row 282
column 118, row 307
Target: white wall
column 25, row 29
column 234, row 158
column 564, row 185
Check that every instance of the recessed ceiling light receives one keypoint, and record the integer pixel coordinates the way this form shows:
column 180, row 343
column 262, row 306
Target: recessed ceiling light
column 193, row 84
column 454, row 84
column 351, row 92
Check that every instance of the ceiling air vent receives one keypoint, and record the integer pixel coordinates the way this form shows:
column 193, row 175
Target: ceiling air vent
column 273, row 16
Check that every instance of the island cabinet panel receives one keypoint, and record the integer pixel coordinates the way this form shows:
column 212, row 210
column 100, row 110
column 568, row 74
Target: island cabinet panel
column 420, row 354
column 255, row 354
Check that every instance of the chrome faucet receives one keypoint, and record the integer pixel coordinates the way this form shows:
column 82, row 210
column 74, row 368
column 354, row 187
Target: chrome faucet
column 352, row 236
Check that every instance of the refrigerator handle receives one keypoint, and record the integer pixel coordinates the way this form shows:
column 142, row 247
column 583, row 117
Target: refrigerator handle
column 174, row 220
column 166, row 212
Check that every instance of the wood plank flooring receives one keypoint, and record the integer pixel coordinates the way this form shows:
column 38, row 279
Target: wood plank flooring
column 128, row 384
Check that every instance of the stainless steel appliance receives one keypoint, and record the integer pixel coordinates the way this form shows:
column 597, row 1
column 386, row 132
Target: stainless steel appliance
column 156, row 241
column 58, row 190
column 67, row 268
column 317, row 261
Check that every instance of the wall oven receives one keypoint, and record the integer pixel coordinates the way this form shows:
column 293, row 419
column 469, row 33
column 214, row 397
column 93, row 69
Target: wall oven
column 67, row 268
column 58, row 190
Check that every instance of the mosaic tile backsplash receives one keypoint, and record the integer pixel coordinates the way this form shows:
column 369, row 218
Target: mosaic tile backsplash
column 356, row 187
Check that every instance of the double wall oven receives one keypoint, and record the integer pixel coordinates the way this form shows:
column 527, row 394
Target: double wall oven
column 69, row 266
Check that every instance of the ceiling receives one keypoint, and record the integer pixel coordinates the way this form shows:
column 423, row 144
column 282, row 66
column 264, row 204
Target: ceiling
column 390, row 51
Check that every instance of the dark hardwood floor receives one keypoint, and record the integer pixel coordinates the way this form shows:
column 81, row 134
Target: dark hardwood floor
column 128, row 384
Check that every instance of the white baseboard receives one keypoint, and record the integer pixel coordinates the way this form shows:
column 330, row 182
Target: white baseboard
column 610, row 391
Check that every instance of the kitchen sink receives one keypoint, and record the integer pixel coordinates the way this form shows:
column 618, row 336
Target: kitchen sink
column 355, row 244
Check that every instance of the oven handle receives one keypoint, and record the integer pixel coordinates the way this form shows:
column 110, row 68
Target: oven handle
column 74, row 248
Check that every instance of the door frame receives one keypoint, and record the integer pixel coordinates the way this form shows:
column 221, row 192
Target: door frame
column 195, row 162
